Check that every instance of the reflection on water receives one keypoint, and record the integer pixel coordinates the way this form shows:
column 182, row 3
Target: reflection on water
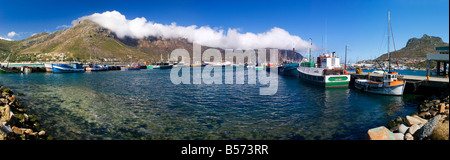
column 146, row 105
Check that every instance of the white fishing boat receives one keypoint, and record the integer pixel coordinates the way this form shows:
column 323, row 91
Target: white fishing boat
column 48, row 67
column 180, row 64
column 390, row 84
column 328, row 73
column 94, row 67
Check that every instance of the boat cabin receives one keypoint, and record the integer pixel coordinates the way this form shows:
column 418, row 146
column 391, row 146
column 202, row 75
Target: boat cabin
column 391, row 76
column 76, row 65
column 328, row 61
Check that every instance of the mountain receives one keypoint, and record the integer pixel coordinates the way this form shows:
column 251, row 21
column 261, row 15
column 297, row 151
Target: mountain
column 416, row 48
column 88, row 40
column 5, row 45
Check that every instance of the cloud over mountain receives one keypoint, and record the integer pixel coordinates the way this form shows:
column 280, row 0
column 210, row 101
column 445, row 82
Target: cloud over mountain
column 12, row 34
column 231, row 39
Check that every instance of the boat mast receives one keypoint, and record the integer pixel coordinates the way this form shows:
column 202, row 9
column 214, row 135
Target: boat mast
column 310, row 49
column 345, row 61
column 293, row 55
column 389, row 55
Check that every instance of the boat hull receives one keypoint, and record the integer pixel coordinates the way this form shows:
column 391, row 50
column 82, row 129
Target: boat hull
column 132, row 69
column 48, row 67
column 95, row 69
column 58, row 68
column 365, row 86
column 290, row 69
column 328, row 81
column 166, row 67
column 4, row 70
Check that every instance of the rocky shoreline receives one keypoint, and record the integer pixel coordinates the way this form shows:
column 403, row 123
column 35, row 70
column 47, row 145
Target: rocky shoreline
column 430, row 122
column 15, row 123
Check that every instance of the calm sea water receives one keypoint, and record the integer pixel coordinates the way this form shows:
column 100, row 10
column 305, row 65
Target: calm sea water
column 146, row 105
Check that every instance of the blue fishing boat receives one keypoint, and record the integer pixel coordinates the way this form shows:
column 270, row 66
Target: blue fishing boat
column 288, row 69
column 67, row 68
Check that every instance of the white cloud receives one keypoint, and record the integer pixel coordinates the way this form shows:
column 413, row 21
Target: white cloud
column 63, row 26
column 6, row 39
column 212, row 37
column 12, row 34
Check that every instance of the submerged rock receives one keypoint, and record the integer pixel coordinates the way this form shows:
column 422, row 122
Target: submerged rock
column 15, row 124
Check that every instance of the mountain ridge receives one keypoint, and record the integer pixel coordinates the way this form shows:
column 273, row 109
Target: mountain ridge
column 88, row 40
column 417, row 47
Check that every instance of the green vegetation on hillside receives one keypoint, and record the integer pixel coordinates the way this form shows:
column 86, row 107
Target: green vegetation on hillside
column 416, row 48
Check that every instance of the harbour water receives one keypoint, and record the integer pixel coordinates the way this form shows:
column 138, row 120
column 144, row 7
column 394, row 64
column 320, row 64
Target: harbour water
column 146, row 105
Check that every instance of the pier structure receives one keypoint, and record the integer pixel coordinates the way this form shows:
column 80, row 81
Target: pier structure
column 440, row 57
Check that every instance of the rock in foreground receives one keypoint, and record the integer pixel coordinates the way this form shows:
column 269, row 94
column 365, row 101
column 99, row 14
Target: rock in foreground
column 380, row 133
column 428, row 128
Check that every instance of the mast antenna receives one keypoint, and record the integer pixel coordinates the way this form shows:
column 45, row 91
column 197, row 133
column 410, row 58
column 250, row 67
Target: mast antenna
column 389, row 55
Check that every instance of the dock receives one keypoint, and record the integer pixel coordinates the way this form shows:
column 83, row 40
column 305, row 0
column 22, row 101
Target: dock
column 414, row 84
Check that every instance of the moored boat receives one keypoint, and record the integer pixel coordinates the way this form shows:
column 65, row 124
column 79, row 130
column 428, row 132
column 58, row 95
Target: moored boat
column 5, row 70
column 180, row 64
column 67, row 68
column 288, row 69
column 131, row 67
column 93, row 68
column 165, row 65
column 48, row 67
column 328, row 74
column 259, row 66
column 390, row 84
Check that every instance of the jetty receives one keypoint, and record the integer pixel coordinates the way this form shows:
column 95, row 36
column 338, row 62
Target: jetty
column 414, row 84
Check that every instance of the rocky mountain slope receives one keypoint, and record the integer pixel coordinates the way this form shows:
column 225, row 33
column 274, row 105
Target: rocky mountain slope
column 88, row 40
column 417, row 47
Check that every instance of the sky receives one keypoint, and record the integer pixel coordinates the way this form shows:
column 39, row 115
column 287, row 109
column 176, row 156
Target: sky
column 331, row 24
